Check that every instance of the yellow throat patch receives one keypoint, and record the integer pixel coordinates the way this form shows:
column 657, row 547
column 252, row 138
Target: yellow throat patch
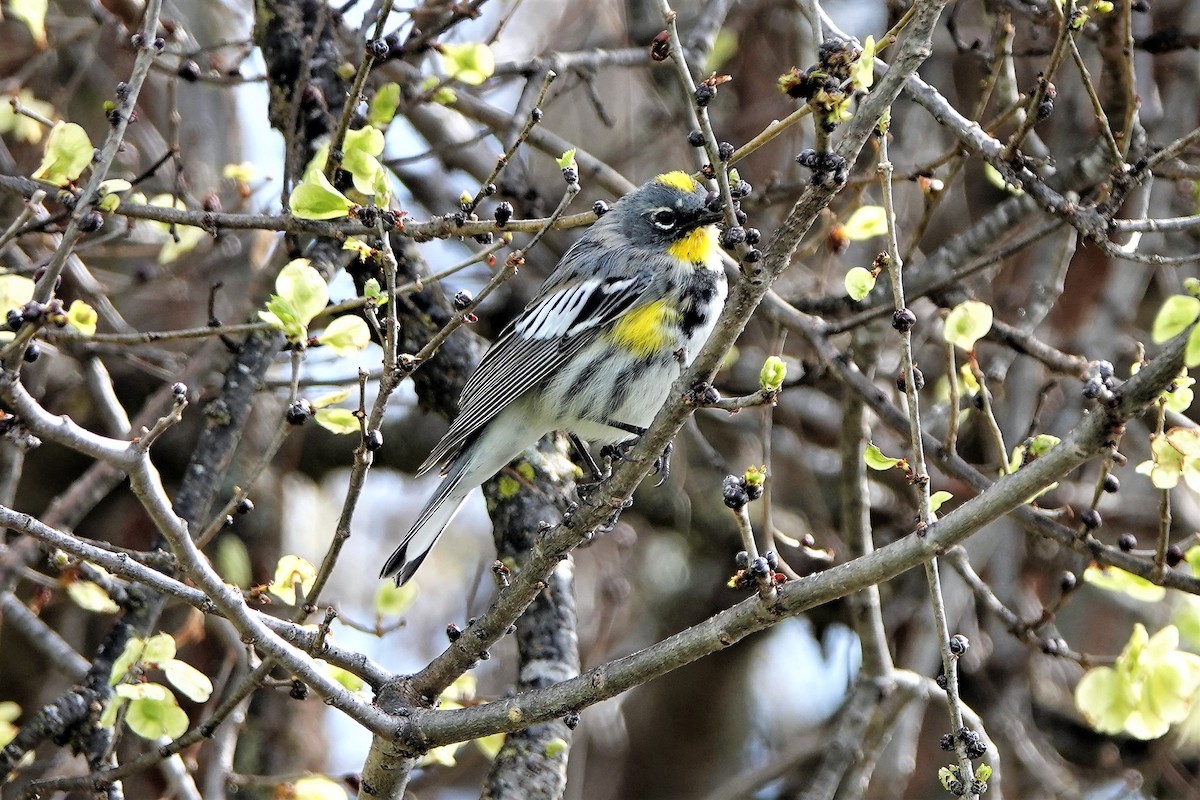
column 677, row 180
column 646, row 330
column 696, row 247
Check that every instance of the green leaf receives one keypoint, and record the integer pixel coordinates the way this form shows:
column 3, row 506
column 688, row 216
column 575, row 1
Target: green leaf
column 392, row 600
column 347, row 679
column 142, row 691
column 1041, row 444
column 338, row 420
column 288, row 571
column 360, row 159
column 90, row 597
column 862, row 71
column 866, row 222
column 22, row 128
column 994, row 177
column 191, row 682
column 15, row 291
column 875, row 459
column 33, row 14
column 233, row 561
column 82, row 317
column 983, row 772
column 9, row 712
column 346, row 335
column 1191, row 355
column 1118, row 580
column 490, row 746
column 859, row 283
column 967, row 323
column 152, row 719
column 324, row 401
column 159, row 648
column 384, row 105
column 937, row 499
column 302, row 289
column 315, row 198
column 1177, row 313
column 68, row 153
column 443, row 95
column 772, row 374
column 372, row 290
column 124, row 662
column 566, row 160
column 469, row 63
column 315, row 787
column 185, row 240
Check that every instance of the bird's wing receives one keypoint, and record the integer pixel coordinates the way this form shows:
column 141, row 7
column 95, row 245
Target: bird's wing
column 568, row 313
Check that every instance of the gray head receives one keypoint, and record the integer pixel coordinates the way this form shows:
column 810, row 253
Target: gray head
column 663, row 211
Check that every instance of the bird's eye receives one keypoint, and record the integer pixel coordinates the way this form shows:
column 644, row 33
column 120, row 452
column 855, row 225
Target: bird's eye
column 663, row 218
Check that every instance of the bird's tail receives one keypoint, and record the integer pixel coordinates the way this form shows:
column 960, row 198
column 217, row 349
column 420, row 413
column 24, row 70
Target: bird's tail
column 433, row 519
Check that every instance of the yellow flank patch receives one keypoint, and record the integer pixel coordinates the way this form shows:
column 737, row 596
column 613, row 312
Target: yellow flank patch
column 677, row 180
column 508, row 487
column 696, row 247
column 647, row 330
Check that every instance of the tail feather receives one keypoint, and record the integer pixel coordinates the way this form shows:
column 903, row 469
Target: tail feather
column 433, row 519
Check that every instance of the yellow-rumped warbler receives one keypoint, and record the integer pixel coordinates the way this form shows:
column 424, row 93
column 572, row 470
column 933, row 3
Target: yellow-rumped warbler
column 594, row 352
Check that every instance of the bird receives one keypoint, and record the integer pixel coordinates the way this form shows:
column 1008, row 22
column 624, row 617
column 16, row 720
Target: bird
column 594, row 352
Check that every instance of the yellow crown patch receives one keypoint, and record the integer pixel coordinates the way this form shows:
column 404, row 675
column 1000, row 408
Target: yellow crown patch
column 677, row 180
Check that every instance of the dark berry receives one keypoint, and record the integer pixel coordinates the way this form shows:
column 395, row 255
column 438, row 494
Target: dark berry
column 696, row 139
column 772, row 559
column 1092, row 389
column 485, row 655
column 753, row 236
column 660, row 46
column 941, row 681
column 959, row 644
column 462, row 299
column 179, row 389
column 600, row 208
column 1105, row 370
column 918, row 380
column 368, row 216
column 1174, row 555
column 1126, row 542
column 704, row 94
column 1111, row 483
column 732, row 237
column 299, row 690
column 485, row 238
column 453, row 632
column 504, row 212
column 742, row 559
column 976, row 747
column 946, row 742
column 740, row 216
column 299, row 412
column 752, row 256
column 571, row 720
column 33, row 352
column 91, row 221
column 759, row 568
column 160, row 44
column 189, row 70
column 244, row 506
column 459, row 219
column 389, row 218
column 733, row 491
column 14, row 319
column 740, row 189
column 374, row 439
column 536, row 115
column 489, row 190
column 1045, row 109
column 1067, row 582
column 903, row 320
column 378, row 48
column 570, row 175
column 725, row 151
column 1091, row 519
